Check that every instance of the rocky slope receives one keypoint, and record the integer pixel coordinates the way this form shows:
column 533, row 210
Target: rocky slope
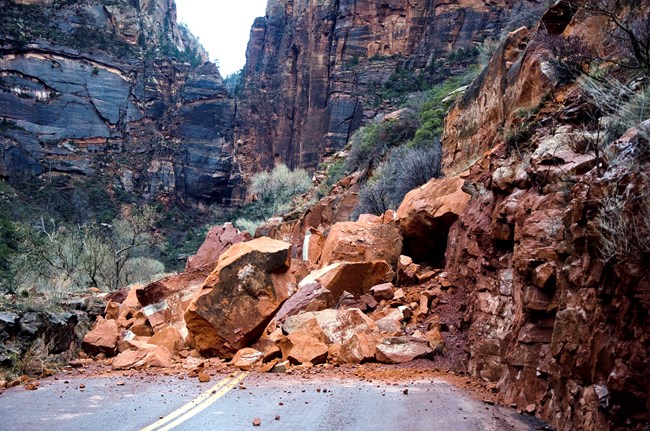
column 113, row 89
column 313, row 68
column 560, row 327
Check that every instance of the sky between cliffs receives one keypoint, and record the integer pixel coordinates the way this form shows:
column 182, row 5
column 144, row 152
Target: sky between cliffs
column 223, row 27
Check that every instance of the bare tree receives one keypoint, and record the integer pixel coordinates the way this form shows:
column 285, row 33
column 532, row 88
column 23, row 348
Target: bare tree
column 631, row 28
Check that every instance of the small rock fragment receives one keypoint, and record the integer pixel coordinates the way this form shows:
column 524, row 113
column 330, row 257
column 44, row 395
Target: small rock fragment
column 530, row 409
column 204, row 377
column 76, row 364
column 120, row 383
column 257, row 422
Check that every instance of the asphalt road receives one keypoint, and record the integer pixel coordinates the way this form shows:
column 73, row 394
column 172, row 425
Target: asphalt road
column 232, row 402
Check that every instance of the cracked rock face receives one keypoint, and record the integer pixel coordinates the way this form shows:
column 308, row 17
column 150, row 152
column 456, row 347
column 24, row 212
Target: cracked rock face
column 97, row 90
column 241, row 296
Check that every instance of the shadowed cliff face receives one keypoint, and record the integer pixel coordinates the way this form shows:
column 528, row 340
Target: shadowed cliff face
column 311, row 66
column 115, row 89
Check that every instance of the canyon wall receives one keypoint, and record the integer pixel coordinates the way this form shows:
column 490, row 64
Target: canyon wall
column 312, row 67
column 559, row 327
column 113, row 89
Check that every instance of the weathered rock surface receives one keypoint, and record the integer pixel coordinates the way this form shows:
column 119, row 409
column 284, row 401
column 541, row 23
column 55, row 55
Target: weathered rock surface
column 338, row 325
column 426, row 215
column 301, row 347
column 240, row 297
column 247, row 357
column 143, row 355
column 550, row 319
column 218, row 240
column 113, row 91
column 397, row 350
column 362, row 242
column 102, row 338
column 322, row 288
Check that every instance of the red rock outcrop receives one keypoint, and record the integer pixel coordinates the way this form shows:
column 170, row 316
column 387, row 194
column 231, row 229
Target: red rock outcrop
column 557, row 326
column 426, row 215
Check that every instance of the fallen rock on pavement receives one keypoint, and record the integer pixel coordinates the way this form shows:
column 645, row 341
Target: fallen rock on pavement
column 240, row 297
column 245, row 358
column 102, row 338
column 397, row 350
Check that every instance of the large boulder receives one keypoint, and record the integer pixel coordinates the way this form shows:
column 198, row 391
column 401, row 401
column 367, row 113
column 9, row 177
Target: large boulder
column 314, row 335
column 322, row 288
column 143, row 355
column 396, row 350
column 241, row 296
column 103, row 337
column 338, row 325
column 307, row 344
column 426, row 215
column 360, row 347
column 362, row 242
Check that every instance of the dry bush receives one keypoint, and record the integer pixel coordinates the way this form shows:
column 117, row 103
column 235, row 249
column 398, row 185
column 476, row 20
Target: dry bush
column 569, row 57
column 624, row 223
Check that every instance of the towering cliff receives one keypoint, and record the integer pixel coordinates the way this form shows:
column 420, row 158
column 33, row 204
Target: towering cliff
column 114, row 89
column 556, row 321
column 312, row 67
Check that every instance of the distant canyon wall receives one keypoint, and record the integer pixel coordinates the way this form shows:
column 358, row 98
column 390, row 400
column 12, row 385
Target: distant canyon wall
column 311, row 65
column 117, row 90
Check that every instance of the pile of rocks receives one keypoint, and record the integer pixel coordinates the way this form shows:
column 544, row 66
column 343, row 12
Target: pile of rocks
column 354, row 298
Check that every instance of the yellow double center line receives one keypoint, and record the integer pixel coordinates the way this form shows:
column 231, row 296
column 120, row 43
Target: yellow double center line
column 198, row 404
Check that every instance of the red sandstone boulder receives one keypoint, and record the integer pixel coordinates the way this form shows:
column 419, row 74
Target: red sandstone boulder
column 362, row 242
column 143, row 355
column 337, row 325
column 360, row 347
column 301, row 347
column 103, row 337
column 383, row 291
column 241, row 296
column 170, row 338
column 322, row 288
column 247, row 357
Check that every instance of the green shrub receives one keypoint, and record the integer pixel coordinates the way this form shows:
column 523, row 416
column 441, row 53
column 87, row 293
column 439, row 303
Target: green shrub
column 248, row 225
column 142, row 270
column 275, row 189
column 438, row 100
column 64, row 258
column 9, row 247
column 369, row 145
column 335, row 172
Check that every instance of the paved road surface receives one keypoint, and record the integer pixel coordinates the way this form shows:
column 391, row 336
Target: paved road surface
column 231, row 402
